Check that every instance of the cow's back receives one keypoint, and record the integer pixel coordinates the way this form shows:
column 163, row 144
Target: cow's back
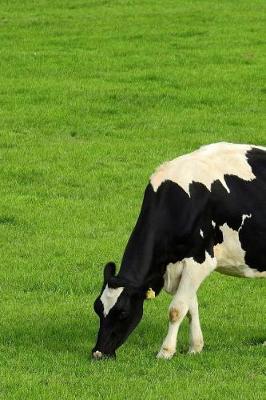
column 235, row 176
column 210, row 163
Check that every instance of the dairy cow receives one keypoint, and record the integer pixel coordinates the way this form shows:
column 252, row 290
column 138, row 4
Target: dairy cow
column 201, row 212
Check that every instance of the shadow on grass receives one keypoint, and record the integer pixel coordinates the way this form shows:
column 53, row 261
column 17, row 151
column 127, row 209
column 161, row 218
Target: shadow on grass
column 76, row 336
column 256, row 341
column 7, row 220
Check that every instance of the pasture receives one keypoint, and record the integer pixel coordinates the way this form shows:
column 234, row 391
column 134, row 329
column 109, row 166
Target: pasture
column 94, row 95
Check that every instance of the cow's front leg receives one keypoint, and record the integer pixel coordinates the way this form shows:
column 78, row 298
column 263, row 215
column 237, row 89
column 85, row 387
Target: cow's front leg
column 195, row 334
column 196, row 342
column 192, row 276
column 177, row 312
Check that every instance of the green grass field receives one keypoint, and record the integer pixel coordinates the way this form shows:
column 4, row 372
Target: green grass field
column 93, row 96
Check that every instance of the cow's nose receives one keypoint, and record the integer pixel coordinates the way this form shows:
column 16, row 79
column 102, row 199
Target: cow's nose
column 97, row 355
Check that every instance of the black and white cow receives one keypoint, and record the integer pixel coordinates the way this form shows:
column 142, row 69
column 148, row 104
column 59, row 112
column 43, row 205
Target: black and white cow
column 202, row 212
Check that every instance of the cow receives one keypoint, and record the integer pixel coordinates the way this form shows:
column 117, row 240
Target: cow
column 202, row 212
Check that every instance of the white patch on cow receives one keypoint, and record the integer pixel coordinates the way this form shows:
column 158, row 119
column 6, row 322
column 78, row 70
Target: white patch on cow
column 213, row 224
column 109, row 298
column 230, row 255
column 174, row 271
column 206, row 165
column 210, row 262
column 244, row 217
column 172, row 277
column 201, row 233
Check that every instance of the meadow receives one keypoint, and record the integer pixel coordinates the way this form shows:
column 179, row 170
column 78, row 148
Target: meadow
column 93, row 96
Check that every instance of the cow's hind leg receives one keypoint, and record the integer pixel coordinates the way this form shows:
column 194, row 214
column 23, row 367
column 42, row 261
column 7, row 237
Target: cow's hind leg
column 192, row 276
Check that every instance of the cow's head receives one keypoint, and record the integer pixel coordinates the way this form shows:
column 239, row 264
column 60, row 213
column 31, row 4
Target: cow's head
column 120, row 308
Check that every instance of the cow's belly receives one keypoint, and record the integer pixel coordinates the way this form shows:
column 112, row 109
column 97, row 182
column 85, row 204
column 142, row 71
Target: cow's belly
column 242, row 271
column 231, row 257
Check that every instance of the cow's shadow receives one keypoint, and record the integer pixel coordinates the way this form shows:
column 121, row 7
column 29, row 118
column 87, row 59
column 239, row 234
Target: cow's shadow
column 76, row 336
column 256, row 341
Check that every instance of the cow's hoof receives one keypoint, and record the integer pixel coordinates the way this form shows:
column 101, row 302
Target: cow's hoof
column 196, row 346
column 192, row 351
column 165, row 354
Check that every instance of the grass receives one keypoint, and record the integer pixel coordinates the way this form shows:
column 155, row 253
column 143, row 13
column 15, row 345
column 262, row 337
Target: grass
column 94, row 95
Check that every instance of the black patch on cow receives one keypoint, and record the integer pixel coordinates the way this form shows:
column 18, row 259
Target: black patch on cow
column 257, row 160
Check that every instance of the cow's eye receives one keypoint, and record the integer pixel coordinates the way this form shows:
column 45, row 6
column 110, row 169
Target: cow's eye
column 123, row 315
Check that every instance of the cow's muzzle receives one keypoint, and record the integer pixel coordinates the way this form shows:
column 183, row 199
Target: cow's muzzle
column 98, row 355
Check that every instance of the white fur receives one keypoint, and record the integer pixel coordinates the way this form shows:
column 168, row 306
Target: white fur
column 184, row 301
column 230, row 255
column 109, row 298
column 206, row 165
column 195, row 333
column 172, row 278
column 244, row 217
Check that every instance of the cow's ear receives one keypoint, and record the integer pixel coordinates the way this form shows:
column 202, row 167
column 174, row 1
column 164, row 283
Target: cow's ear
column 109, row 271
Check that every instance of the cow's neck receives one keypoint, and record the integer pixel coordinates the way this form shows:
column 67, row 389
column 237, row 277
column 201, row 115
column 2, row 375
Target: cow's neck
column 142, row 263
column 136, row 263
column 141, row 267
